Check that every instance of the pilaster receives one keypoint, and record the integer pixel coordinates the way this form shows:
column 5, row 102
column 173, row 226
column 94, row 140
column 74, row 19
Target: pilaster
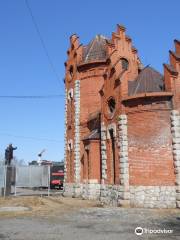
column 65, row 138
column 77, row 131
column 175, row 130
column 103, row 152
column 124, row 195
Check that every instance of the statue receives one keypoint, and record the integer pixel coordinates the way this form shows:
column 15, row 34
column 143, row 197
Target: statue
column 9, row 154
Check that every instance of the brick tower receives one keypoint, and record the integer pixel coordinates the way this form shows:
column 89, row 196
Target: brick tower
column 85, row 67
column 122, row 131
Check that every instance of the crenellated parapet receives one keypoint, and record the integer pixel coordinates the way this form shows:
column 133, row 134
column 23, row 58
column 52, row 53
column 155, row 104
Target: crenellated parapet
column 123, row 61
column 172, row 75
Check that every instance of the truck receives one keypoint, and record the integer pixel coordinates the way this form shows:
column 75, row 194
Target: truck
column 57, row 176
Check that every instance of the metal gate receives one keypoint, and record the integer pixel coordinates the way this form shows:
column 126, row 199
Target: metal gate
column 28, row 177
column 2, row 179
column 32, row 177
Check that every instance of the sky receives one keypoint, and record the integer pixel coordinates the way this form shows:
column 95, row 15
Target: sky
column 36, row 124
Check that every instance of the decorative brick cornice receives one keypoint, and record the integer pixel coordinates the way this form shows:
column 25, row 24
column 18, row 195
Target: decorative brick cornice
column 121, row 27
column 170, row 69
column 147, row 95
column 128, row 39
column 175, row 55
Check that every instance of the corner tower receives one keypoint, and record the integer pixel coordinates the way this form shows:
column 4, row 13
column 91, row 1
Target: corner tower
column 85, row 67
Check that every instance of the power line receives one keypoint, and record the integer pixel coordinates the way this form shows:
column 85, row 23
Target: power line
column 34, row 97
column 42, row 96
column 42, row 42
column 31, row 138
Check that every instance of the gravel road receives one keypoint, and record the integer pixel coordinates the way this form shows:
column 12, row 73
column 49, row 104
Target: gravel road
column 91, row 223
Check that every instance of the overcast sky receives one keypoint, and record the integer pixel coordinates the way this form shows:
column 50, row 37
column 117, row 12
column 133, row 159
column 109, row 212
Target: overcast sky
column 35, row 124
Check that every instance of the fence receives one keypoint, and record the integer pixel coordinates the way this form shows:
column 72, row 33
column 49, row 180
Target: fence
column 2, row 176
column 2, row 179
column 24, row 177
column 32, row 177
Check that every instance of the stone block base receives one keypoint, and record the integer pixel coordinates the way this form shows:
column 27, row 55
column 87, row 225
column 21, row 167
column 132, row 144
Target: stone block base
column 112, row 195
column 86, row 190
column 91, row 191
column 72, row 190
column 153, row 196
column 116, row 195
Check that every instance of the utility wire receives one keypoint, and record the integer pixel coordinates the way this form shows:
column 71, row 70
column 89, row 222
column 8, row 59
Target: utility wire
column 31, row 138
column 42, row 96
column 35, row 97
column 42, row 42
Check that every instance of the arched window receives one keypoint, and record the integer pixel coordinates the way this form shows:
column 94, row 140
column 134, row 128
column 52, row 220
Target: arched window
column 111, row 105
column 124, row 63
column 71, row 71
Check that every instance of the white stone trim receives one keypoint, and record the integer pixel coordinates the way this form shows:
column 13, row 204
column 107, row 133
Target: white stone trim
column 103, row 152
column 124, row 195
column 113, row 127
column 65, row 138
column 175, row 131
column 77, row 131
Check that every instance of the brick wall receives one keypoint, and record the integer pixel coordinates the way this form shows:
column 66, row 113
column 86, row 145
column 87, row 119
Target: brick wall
column 95, row 160
column 150, row 146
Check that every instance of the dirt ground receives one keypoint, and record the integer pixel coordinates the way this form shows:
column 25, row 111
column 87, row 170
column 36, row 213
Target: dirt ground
column 56, row 217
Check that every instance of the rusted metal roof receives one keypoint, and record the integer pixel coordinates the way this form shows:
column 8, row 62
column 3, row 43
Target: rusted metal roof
column 95, row 50
column 148, row 80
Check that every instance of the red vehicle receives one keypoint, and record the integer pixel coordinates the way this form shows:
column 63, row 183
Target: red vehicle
column 57, row 176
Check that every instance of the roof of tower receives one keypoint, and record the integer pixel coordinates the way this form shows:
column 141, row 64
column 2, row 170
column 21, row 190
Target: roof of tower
column 95, row 50
column 148, row 80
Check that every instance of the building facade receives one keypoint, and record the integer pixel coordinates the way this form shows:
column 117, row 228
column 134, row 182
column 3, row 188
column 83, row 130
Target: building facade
column 122, row 124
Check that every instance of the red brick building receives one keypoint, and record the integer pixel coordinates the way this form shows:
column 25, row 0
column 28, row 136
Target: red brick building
column 122, row 131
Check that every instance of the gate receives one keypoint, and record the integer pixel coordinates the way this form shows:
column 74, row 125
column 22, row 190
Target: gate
column 28, row 178
column 32, row 177
column 2, row 179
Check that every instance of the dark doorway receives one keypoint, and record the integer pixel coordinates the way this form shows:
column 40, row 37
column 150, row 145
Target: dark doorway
column 88, row 165
column 70, row 165
column 112, row 156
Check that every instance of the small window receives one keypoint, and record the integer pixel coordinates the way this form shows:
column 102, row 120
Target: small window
column 71, row 71
column 124, row 63
column 70, row 94
column 111, row 105
column 70, row 145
